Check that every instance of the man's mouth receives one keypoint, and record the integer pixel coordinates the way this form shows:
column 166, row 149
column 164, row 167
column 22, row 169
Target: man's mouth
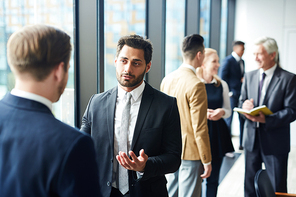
column 126, row 76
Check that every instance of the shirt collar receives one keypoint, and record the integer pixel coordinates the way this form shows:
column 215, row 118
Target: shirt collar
column 136, row 93
column 268, row 72
column 213, row 81
column 189, row 66
column 236, row 57
column 32, row 96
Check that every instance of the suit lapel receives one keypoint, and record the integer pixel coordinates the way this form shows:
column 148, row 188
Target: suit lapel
column 111, row 101
column 237, row 68
column 146, row 102
column 273, row 82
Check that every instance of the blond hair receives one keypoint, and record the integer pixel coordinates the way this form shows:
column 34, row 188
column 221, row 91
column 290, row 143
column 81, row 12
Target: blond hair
column 199, row 71
column 37, row 49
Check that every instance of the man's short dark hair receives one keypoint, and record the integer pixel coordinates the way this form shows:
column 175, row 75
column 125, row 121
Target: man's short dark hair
column 37, row 49
column 137, row 42
column 237, row 42
column 192, row 44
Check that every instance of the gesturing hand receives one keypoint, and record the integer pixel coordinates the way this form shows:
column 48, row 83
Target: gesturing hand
column 136, row 163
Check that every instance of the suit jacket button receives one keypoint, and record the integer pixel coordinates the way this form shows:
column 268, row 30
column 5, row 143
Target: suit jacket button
column 132, row 185
column 108, row 183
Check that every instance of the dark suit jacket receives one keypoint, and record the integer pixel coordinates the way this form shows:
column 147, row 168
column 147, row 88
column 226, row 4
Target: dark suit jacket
column 280, row 98
column 41, row 156
column 157, row 131
column 230, row 71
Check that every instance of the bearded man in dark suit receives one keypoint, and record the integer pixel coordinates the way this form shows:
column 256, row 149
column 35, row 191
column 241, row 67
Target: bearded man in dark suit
column 136, row 128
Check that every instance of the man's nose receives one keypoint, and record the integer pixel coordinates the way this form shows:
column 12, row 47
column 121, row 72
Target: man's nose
column 127, row 67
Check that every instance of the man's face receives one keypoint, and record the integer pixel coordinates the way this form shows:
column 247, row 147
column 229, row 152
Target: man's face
column 239, row 50
column 131, row 67
column 263, row 59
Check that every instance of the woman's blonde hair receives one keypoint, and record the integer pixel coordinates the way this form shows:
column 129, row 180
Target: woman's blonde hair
column 199, row 71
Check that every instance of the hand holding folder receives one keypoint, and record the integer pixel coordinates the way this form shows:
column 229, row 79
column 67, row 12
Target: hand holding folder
column 254, row 111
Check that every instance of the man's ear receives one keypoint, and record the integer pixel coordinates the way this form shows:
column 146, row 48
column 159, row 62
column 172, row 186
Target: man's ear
column 272, row 55
column 198, row 55
column 59, row 72
column 148, row 67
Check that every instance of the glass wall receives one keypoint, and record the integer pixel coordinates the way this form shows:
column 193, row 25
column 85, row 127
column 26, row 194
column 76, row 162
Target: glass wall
column 205, row 21
column 122, row 17
column 223, row 35
column 17, row 13
column 175, row 28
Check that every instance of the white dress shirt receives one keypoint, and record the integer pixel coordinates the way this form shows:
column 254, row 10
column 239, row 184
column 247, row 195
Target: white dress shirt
column 226, row 101
column 31, row 96
column 269, row 75
column 135, row 105
column 238, row 59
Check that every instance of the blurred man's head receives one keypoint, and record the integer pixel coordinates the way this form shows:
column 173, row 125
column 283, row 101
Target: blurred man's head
column 34, row 52
column 238, row 47
column 192, row 48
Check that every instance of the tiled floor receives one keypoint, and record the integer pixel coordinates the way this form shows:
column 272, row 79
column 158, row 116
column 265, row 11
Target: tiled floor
column 233, row 183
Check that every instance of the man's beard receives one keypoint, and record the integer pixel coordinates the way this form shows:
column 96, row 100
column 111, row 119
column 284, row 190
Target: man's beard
column 132, row 82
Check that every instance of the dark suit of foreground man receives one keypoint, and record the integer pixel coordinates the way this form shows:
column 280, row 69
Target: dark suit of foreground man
column 154, row 134
column 267, row 138
column 39, row 155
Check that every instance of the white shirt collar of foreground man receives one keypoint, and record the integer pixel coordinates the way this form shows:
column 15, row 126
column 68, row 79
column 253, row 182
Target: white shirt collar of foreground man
column 32, row 96
column 136, row 93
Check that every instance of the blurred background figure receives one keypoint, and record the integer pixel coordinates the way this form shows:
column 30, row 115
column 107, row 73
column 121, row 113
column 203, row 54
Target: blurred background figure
column 218, row 109
column 232, row 72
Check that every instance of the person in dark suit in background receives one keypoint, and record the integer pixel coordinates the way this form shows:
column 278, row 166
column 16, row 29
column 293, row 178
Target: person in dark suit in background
column 39, row 155
column 267, row 138
column 134, row 157
column 232, row 71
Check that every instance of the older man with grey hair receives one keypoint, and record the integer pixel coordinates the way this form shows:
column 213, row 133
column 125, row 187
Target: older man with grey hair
column 267, row 137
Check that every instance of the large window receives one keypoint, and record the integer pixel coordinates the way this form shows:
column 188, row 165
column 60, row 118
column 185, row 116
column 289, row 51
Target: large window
column 175, row 28
column 205, row 21
column 223, row 35
column 122, row 17
column 17, row 13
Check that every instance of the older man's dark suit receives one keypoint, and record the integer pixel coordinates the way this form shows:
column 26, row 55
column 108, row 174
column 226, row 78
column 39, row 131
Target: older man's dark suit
column 273, row 137
column 157, row 131
column 40, row 155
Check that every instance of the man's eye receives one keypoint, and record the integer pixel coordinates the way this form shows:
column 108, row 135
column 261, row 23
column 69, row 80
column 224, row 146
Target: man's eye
column 136, row 63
